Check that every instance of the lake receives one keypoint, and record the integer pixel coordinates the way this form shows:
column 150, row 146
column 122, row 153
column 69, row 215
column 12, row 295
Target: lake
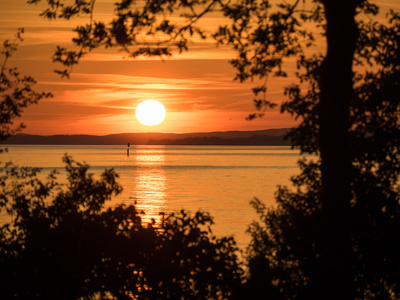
column 218, row 179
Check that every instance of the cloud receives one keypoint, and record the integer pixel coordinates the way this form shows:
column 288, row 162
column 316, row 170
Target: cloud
column 196, row 87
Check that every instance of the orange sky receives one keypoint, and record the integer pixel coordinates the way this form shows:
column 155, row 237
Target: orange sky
column 196, row 88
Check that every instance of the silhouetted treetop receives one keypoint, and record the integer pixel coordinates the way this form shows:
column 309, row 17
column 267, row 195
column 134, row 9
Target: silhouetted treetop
column 16, row 91
column 62, row 243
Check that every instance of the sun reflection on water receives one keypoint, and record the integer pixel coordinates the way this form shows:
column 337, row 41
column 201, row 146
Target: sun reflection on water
column 150, row 183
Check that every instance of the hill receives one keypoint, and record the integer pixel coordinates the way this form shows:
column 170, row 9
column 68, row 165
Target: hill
column 257, row 137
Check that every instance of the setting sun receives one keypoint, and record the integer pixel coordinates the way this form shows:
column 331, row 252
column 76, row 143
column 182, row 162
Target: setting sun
column 150, row 112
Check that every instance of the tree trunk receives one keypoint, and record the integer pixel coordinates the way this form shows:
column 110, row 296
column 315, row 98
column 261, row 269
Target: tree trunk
column 336, row 86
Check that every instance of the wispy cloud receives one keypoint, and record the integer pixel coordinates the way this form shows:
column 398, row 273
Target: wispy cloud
column 196, row 87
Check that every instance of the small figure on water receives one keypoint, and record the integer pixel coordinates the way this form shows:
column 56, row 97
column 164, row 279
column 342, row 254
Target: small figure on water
column 127, row 150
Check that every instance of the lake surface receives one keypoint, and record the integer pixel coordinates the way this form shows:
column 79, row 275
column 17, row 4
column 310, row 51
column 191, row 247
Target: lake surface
column 218, row 179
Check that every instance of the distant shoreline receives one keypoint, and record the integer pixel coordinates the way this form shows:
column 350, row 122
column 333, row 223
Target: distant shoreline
column 267, row 137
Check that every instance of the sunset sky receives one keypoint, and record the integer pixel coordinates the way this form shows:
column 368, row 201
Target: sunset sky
column 196, row 88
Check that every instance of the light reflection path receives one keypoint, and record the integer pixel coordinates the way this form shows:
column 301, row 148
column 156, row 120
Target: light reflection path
column 150, row 183
column 220, row 180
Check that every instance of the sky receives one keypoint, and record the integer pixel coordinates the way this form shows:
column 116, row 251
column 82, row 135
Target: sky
column 100, row 98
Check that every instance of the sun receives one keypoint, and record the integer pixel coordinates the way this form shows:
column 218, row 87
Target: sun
column 150, row 113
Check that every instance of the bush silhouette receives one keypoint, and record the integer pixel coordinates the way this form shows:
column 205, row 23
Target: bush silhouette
column 62, row 244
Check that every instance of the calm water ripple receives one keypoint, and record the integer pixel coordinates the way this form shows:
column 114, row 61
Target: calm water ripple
column 218, row 179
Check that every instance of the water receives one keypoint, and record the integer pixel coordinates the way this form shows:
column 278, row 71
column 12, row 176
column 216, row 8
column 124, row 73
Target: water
column 219, row 179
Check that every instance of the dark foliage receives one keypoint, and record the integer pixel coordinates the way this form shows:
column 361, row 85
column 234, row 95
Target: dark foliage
column 16, row 91
column 61, row 243
column 287, row 240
